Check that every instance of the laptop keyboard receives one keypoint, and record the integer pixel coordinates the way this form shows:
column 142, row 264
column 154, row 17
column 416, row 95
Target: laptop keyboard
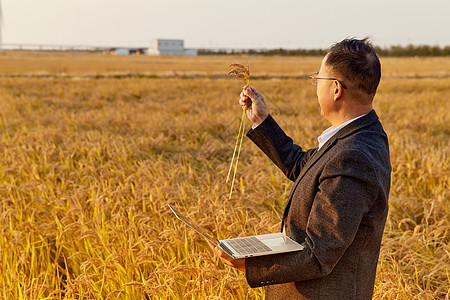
column 248, row 245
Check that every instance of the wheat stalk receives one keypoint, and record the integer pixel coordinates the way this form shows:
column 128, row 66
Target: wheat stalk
column 243, row 73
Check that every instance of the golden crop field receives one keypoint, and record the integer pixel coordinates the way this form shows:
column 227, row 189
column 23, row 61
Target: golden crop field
column 94, row 147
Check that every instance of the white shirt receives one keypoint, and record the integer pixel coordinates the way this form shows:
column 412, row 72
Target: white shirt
column 329, row 132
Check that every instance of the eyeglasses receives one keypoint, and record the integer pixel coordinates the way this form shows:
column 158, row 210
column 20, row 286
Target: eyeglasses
column 314, row 80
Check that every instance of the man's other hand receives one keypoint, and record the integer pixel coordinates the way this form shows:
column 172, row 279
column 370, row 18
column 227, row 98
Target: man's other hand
column 238, row 264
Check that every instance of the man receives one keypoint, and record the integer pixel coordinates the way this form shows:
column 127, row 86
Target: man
column 338, row 205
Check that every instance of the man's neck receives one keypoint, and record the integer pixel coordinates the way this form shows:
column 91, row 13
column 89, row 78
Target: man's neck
column 346, row 115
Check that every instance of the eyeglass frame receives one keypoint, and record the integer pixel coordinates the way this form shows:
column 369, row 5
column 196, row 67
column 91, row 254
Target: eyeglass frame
column 312, row 77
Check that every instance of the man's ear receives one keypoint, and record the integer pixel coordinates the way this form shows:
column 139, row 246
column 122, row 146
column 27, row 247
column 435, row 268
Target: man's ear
column 338, row 90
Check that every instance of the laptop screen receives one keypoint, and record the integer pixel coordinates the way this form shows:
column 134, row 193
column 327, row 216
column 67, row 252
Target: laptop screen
column 194, row 226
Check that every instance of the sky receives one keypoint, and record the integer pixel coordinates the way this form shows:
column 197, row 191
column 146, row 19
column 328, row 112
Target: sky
column 236, row 24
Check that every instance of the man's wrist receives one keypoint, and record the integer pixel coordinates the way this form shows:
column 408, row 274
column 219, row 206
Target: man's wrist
column 256, row 124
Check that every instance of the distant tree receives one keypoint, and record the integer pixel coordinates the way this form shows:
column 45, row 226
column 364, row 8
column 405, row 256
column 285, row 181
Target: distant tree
column 395, row 50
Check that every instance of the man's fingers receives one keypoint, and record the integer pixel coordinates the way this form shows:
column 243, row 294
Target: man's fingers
column 253, row 94
column 243, row 98
column 228, row 263
column 226, row 259
column 219, row 252
column 248, row 92
column 245, row 101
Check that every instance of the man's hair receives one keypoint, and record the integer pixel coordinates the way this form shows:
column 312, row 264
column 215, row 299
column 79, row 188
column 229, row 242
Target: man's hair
column 357, row 62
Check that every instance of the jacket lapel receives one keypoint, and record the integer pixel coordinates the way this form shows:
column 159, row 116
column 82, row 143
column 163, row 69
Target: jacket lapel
column 313, row 159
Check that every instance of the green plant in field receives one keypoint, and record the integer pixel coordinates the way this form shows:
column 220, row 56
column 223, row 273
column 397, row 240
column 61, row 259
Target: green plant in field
column 244, row 73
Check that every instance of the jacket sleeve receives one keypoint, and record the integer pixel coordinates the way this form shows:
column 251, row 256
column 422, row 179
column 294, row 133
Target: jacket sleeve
column 347, row 189
column 272, row 140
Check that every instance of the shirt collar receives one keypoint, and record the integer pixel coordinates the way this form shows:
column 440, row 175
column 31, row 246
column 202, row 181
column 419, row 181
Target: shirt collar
column 330, row 131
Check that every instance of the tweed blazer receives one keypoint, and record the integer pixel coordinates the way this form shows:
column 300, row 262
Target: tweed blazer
column 337, row 210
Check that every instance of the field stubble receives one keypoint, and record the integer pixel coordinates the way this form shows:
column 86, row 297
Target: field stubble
column 89, row 166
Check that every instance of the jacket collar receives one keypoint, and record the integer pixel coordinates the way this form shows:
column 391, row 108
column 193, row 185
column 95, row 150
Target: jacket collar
column 364, row 121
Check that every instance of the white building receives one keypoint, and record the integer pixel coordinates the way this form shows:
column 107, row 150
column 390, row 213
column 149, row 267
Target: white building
column 170, row 47
column 122, row 51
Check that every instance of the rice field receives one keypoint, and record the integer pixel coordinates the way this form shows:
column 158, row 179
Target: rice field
column 93, row 148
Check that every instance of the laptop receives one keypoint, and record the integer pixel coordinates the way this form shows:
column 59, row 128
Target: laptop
column 257, row 245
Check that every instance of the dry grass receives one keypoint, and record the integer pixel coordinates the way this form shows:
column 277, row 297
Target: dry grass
column 88, row 167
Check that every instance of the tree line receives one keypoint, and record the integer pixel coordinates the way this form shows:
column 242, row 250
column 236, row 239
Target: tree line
column 394, row 51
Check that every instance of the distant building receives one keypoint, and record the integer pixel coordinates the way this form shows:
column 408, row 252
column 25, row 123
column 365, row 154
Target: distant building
column 125, row 51
column 122, row 51
column 170, row 47
column 190, row 52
